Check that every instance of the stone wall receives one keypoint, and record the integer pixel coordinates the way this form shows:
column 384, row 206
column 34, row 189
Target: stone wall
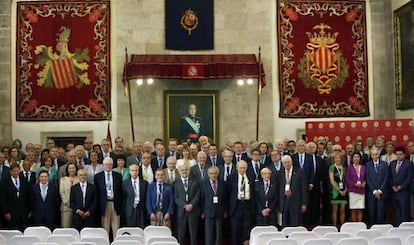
column 5, row 78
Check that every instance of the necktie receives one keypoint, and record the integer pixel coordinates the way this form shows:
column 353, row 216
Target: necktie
column 267, row 187
column 242, row 184
column 185, row 185
column 80, row 162
column 136, row 194
column 288, row 177
column 301, row 161
column 171, row 177
column 1, row 171
column 256, row 166
column 202, row 172
column 214, row 185
column 376, row 167
column 16, row 183
column 44, row 192
column 27, row 176
column 214, row 161
column 144, row 175
column 227, row 172
column 238, row 158
column 160, row 162
column 108, row 186
column 397, row 168
column 159, row 196
column 314, row 164
column 263, row 158
column 83, row 194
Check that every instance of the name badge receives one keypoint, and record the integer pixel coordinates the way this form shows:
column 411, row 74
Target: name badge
column 242, row 196
column 341, row 185
column 358, row 182
column 215, row 199
column 186, row 197
column 287, row 187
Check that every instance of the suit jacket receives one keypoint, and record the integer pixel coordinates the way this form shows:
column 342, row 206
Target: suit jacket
column 207, row 207
column 44, row 211
column 154, row 163
column 167, row 176
column 316, row 173
column 64, row 191
column 99, row 181
column 267, row 160
column 275, row 172
column 193, row 194
column 244, row 157
column 32, row 179
column 5, row 172
column 16, row 202
column 376, row 181
column 232, row 190
column 134, row 158
column 167, row 199
column 150, row 179
column 195, row 172
column 76, row 198
column 307, row 166
column 129, row 196
column 219, row 160
column 222, row 171
column 82, row 161
column 404, row 176
column 177, row 155
column 252, row 173
column 111, row 155
column 298, row 188
column 261, row 198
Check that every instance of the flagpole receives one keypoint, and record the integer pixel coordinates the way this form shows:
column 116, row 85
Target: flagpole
column 259, row 88
column 129, row 96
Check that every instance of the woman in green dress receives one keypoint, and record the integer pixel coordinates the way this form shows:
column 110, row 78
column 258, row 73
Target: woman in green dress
column 339, row 189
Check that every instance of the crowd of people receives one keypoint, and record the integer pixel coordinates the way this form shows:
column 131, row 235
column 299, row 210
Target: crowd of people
column 200, row 188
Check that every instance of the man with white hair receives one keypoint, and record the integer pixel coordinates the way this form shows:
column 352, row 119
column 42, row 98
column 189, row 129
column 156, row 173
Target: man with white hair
column 199, row 171
column 313, row 212
column 293, row 194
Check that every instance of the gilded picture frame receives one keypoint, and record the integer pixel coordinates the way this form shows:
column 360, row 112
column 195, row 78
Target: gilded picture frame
column 180, row 124
column 404, row 53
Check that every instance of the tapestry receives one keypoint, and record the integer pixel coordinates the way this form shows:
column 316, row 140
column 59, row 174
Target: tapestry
column 189, row 25
column 346, row 132
column 63, row 60
column 322, row 58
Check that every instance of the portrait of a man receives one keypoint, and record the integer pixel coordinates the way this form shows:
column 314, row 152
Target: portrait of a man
column 191, row 125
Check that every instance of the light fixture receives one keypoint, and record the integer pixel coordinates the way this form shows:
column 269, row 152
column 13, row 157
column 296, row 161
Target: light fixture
column 139, row 81
column 250, row 81
column 240, row 82
column 150, row 81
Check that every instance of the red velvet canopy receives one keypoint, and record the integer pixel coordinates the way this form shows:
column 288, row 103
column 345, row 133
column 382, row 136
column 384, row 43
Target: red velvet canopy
column 201, row 67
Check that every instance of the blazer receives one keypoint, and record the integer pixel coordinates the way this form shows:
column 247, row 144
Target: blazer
column 134, row 158
column 316, row 174
column 44, row 211
column 307, row 166
column 32, row 176
column 84, row 161
column 266, row 161
column 151, row 178
column 5, row 172
column 222, row 170
column 404, row 176
column 154, row 163
column 193, row 194
column 244, row 157
column 76, row 198
column 16, row 202
column 219, row 160
column 275, row 172
column 298, row 188
column 252, row 173
column 261, row 197
column 167, row 176
column 111, row 155
column 377, row 181
column 232, row 190
column 99, row 181
column 177, row 155
column 195, row 172
column 64, row 191
column 129, row 196
column 207, row 207
column 352, row 177
column 167, row 199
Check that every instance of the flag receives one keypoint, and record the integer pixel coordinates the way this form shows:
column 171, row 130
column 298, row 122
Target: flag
column 108, row 133
column 189, row 24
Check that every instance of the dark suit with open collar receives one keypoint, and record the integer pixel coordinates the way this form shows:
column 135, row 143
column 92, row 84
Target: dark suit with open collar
column 16, row 202
column 264, row 200
column 222, row 171
column 401, row 199
column 213, row 212
column 99, row 181
column 76, row 203
column 135, row 216
column 240, row 211
column 187, row 219
column 376, row 181
column 44, row 211
column 290, row 206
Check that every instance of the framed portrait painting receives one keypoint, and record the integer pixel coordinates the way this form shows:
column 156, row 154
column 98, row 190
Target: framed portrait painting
column 190, row 114
column 404, row 53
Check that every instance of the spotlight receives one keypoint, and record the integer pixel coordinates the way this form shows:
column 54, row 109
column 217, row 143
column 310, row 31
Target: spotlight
column 150, row 81
column 240, row 82
column 250, row 81
column 139, row 82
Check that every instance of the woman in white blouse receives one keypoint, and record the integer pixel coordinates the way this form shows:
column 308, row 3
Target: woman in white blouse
column 186, row 158
column 94, row 167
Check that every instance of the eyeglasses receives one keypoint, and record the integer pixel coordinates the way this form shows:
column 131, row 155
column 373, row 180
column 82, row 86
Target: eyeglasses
column 337, row 149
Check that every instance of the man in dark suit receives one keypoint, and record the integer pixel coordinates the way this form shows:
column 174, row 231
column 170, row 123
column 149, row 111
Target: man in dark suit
column 199, row 171
column 27, row 175
column 377, row 180
column 45, row 201
column 4, row 170
column 159, row 161
column 172, row 149
column 293, row 193
column 213, row 158
column 265, row 159
column 135, row 194
column 313, row 213
column 276, row 166
column 81, row 160
column 266, row 197
column 187, row 197
column 254, row 166
column 212, row 206
column 54, row 154
column 401, row 176
column 106, row 152
column 15, row 200
column 160, row 201
column 238, row 153
column 240, row 187
column 228, row 168
column 83, row 202
column 110, row 196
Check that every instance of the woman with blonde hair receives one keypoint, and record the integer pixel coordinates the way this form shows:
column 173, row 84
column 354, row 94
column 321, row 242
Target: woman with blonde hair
column 339, row 189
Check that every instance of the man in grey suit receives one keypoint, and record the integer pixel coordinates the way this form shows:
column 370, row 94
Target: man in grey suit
column 135, row 157
column 187, row 196
column 135, row 192
column 199, row 171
